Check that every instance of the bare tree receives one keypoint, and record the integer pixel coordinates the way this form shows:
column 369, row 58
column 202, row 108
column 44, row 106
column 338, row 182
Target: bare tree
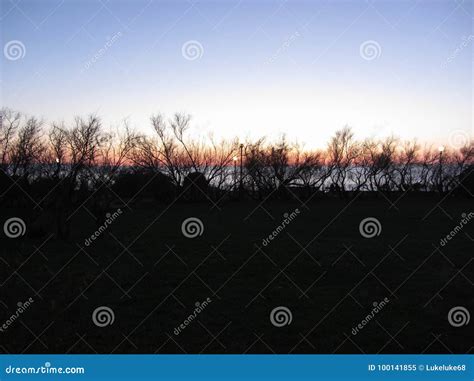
column 77, row 149
column 342, row 152
column 10, row 121
column 27, row 149
column 406, row 164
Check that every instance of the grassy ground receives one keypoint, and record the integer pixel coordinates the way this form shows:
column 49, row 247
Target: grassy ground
column 319, row 267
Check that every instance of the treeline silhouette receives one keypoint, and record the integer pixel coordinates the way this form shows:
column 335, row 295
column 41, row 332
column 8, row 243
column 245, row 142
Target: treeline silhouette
column 52, row 170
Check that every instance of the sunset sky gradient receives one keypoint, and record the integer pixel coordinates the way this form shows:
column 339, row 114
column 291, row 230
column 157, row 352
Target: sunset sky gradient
column 267, row 67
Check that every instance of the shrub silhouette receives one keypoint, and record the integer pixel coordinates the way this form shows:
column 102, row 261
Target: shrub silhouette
column 196, row 187
column 145, row 184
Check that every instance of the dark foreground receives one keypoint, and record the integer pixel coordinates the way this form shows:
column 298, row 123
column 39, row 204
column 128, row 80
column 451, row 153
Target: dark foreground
column 150, row 276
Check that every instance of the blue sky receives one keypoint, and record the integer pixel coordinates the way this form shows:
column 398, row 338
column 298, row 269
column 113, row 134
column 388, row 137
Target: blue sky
column 263, row 67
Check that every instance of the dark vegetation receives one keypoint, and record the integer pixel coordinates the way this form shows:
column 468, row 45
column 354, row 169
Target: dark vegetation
column 49, row 172
column 63, row 182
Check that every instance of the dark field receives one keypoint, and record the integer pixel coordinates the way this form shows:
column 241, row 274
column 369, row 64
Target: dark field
column 319, row 267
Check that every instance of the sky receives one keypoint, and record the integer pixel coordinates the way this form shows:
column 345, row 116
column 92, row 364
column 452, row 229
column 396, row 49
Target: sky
column 246, row 68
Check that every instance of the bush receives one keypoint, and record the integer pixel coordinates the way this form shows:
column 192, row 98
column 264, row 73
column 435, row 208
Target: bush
column 145, row 184
column 196, row 187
